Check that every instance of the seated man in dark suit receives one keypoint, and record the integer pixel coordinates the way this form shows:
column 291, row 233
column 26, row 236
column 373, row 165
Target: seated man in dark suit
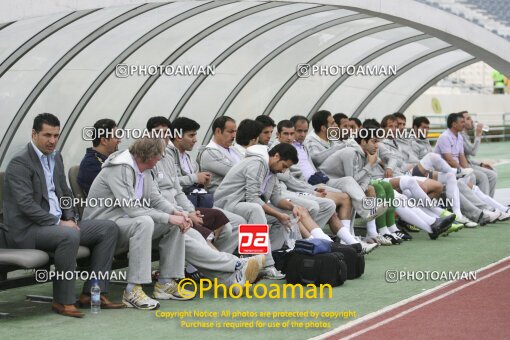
column 104, row 144
column 35, row 183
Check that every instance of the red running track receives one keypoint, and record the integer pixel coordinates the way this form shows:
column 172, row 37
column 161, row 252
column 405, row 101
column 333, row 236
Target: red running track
column 461, row 310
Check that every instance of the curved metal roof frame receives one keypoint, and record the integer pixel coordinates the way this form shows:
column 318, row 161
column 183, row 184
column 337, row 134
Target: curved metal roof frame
column 434, row 23
column 453, row 29
column 59, row 65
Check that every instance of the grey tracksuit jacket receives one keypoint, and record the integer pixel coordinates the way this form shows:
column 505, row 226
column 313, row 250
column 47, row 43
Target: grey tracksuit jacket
column 244, row 182
column 353, row 162
column 470, row 149
column 393, row 156
column 212, row 159
column 117, row 180
column 165, row 172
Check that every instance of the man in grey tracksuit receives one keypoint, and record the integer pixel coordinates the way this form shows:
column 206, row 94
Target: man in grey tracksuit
column 486, row 177
column 212, row 263
column 186, row 169
column 126, row 176
column 320, row 208
column 165, row 173
column 218, row 157
column 248, row 188
column 251, row 190
column 323, row 154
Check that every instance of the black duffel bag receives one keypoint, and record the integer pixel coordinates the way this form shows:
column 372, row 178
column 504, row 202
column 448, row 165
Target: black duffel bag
column 328, row 268
column 354, row 260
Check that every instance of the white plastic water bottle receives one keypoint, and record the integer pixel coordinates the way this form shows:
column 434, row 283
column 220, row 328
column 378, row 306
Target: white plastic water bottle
column 95, row 298
column 292, row 234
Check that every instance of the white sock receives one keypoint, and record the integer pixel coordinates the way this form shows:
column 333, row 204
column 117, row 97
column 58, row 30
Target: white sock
column 407, row 182
column 417, row 217
column 433, row 161
column 347, row 224
column 393, row 229
column 371, row 228
column 452, row 191
column 384, row 231
column 430, row 213
column 130, row 286
column 318, row 233
column 346, row 236
column 488, row 200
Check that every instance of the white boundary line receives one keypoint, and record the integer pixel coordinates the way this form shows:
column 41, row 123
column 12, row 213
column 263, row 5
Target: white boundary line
column 411, row 299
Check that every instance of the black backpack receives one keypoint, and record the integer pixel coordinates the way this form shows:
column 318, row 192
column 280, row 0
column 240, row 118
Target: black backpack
column 354, row 260
column 328, row 268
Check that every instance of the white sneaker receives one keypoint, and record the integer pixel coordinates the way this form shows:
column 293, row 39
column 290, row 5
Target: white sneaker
column 466, row 221
column 471, row 224
column 272, row 273
column 169, row 291
column 379, row 239
column 493, row 215
column 138, row 299
column 248, row 271
column 461, row 219
column 368, row 248
column 504, row 216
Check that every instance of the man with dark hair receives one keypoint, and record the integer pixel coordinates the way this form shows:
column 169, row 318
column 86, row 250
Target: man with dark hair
column 421, row 148
column 362, row 164
column 34, row 185
column 341, row 120
column 326, row 199
column 183, row 143
column 216, row 225
column 430, row 166
column 486, row 176
column 104, row 144
column 157, row 121
column 267, row 129
column 218, row 157
column 297, row 118
column 209, row 247
column 287, row 124
column 318, row 143
column 401, row 120
column 355, row 123
column 252, row 191
column 247, row 135
column 323, row 153
column 450, row 145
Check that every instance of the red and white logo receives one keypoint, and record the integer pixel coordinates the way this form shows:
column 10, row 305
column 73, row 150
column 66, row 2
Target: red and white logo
column 253, row 239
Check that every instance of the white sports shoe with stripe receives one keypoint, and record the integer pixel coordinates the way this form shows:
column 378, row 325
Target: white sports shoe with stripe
column 138, row 299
